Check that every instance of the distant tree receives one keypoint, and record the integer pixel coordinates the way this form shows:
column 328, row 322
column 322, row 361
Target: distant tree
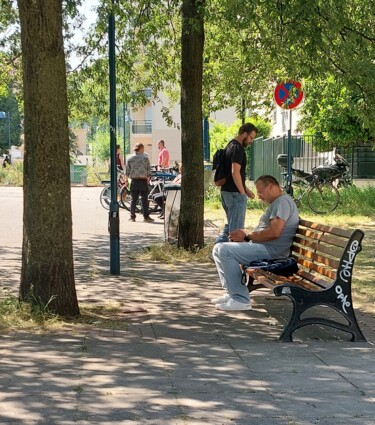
column 331, row 110
column 221, row 134
column 47, row 275
column 100, row 146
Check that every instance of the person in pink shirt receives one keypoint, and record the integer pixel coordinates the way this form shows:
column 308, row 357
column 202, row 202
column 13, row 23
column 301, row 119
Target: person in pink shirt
column 163, row 159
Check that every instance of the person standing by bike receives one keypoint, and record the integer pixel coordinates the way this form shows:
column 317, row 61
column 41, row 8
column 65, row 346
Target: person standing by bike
column 234, row 192
column 138, row 169
column 163, row 158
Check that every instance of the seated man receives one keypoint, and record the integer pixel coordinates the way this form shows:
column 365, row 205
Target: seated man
column 271, row 239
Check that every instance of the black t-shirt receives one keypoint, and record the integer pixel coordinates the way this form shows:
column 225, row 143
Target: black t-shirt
column 235, row 152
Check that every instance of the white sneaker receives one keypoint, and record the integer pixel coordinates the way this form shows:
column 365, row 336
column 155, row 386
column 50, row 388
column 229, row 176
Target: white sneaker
column 222, row 299
column 233, row 305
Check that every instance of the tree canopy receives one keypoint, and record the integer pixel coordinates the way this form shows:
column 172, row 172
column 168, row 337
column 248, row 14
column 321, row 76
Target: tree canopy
column 249, row 46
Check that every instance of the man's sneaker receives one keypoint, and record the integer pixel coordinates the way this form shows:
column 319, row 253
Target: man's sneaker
column 222, row 299
column 222, row 238
column 233, row 305
column 148, row 219
column 132, row 219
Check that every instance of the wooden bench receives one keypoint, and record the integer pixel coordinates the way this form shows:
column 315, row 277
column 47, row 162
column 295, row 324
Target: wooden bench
column 325, row 257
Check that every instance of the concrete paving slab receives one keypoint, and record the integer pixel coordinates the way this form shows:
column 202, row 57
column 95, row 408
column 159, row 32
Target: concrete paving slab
column 135, row 406
column 228, row 407
column 41, row 408
column 316, row 407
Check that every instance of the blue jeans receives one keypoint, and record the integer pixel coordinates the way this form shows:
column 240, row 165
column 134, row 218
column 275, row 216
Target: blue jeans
column 234, row 205
column 228, row 256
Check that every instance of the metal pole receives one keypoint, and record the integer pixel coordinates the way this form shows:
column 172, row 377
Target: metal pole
column 124, row 129
column 206, row 140
column 289, row 157
column 9, row 139
column 114, row 217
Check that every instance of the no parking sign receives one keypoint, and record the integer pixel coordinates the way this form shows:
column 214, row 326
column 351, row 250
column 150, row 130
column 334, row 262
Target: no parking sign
column 288, row 95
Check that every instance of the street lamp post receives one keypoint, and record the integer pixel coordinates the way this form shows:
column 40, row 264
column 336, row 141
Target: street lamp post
column 4, row 115
column 114, row 217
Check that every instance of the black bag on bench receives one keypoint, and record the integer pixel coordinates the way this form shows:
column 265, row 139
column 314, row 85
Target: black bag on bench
column 282, row 267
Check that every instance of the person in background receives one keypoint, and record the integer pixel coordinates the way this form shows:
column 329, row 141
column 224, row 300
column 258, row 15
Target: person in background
column 119, row 158
column 271, row 239
column 234, row 192
column 138, row 169
column 6, row 161
column 163, row 158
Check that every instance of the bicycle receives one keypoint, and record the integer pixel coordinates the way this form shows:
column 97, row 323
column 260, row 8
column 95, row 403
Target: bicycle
column 318, row 186
column 122, row 192
column 155, row 187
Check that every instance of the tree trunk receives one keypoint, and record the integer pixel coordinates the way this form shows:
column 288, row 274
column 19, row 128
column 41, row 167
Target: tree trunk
column 191, row 234
column 47, row 276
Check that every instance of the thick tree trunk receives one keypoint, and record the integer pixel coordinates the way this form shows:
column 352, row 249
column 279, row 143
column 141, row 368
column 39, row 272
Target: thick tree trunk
column 191, row 234
column 47, row 254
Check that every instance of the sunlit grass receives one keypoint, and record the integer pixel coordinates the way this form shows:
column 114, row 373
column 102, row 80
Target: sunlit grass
column 171, row 254
column 15, row 315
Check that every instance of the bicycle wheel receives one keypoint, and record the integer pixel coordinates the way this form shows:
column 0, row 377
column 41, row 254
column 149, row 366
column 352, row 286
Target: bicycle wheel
column 125, row 200
column 323, row 198
column 105, row 197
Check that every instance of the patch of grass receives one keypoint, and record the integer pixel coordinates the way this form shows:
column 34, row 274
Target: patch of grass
column 12, row 174
column 171, row 254
column 15, row 315
column 21, row 315
column 354, row 201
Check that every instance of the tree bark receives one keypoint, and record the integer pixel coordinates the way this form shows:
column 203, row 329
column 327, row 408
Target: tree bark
column 47, row 276
column 191, row 235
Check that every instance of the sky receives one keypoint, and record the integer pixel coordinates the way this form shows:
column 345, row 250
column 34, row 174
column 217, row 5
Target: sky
column 86, row 9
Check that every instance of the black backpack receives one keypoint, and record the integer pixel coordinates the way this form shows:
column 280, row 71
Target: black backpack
column 218, row 165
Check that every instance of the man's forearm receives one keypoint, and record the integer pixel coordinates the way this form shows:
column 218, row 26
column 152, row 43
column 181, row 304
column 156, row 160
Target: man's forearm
column 264, row 235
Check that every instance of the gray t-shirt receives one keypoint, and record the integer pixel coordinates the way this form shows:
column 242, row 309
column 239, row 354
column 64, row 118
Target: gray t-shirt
column 285, row 208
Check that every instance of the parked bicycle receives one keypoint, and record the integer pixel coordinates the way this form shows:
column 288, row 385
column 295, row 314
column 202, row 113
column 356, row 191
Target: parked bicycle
column 122, row 191
column 320, row 187
column 156, row 186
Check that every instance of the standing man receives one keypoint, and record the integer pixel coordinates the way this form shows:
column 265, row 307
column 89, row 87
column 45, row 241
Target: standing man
column 163, row 159
column 234, row 193
column 138, row 169
column 271, row 239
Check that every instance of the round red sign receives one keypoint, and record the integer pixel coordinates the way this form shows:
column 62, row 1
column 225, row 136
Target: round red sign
column 288, row 95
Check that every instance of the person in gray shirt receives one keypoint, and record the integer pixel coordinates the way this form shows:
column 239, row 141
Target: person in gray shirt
column 138, row 169
column 271, row 239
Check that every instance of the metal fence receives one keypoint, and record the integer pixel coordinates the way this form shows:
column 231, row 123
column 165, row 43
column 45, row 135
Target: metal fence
column 308, row 152
column 78, row 174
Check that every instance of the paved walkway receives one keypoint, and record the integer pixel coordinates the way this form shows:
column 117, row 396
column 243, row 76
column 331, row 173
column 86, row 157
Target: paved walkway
column 177, row 360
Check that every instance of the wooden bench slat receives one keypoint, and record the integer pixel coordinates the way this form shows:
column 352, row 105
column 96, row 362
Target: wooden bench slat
column 329, row 250
column 334, row 263
column 332, row 251
column 308, row 234
column 271, row 280
column 314, row 279
column 327, row 229
column 332, row 239
column 324, row 271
